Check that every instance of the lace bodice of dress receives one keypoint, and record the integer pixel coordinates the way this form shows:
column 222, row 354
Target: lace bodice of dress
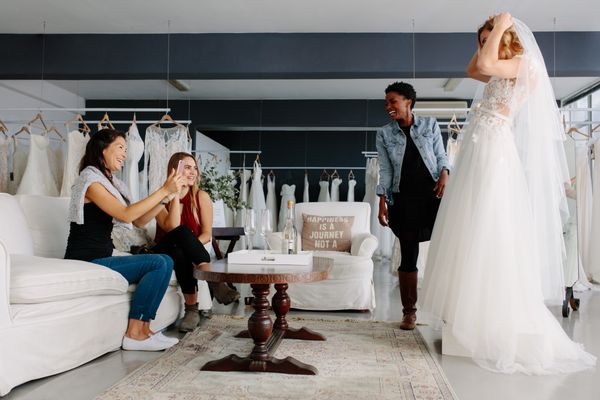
column 498, row 96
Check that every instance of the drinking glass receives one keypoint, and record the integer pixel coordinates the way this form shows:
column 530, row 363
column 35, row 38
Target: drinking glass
column 249, row 218
column 266, row 226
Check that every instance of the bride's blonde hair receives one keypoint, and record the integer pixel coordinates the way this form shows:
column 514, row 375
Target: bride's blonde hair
column 510, row 45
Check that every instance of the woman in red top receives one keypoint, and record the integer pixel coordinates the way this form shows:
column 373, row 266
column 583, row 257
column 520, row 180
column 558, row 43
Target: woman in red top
column 184, row 226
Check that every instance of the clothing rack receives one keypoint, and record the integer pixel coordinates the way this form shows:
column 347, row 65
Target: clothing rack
column 98, row 121
column 264, row 167
column 84, row 109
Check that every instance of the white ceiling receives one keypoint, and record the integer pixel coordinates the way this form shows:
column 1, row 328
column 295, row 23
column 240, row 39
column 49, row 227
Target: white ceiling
column 273, row 89
column 146, row 16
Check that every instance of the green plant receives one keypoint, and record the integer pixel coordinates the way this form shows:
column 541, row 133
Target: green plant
column 220, row 187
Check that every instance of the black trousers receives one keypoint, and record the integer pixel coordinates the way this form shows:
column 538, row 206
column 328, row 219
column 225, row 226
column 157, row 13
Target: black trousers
column 409, row 247
column 186, row 250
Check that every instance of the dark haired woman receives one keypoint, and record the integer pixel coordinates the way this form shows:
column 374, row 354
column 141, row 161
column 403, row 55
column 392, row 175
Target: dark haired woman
column 413, row 173
column 98, row 198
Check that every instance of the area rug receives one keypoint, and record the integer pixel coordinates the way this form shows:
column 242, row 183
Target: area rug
column 359, row 360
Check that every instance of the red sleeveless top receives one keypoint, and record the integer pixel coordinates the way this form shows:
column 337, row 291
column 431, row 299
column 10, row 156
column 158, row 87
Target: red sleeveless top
column 187, row 217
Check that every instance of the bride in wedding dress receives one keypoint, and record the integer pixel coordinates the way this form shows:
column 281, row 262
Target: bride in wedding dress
column 497, row 250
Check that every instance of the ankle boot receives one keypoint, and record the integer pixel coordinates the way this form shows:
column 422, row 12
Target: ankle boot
column 190, row 319
column 408, row 295
column 223, row 293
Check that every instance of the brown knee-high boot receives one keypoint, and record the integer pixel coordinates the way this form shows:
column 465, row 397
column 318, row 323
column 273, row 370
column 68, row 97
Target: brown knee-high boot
column 408, row 295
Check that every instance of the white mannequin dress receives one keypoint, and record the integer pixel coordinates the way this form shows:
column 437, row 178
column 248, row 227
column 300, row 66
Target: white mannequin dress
column 76, row 142
column 135, row 151
column 257, row 200
column 335, row 189
column 482, row 277
column 38, row 178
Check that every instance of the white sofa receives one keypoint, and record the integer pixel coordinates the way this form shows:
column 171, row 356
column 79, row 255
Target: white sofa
column 349, row 285
column 57, row 314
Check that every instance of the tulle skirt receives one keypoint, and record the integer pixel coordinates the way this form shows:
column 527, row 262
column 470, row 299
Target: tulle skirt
column 483, row 275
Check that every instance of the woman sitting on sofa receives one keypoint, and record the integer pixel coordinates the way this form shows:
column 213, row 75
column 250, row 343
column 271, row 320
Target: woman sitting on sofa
column 184, row 226
column 96, row 199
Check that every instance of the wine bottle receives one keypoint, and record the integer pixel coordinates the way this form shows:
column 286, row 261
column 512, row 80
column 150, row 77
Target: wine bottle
column 290, row 234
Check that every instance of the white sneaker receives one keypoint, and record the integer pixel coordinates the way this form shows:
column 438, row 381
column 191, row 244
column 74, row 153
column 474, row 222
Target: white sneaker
column 166, row 339
column 150, row 344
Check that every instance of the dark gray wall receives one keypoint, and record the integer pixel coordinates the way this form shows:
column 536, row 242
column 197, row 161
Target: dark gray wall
column 281, row 148
column 271, row 55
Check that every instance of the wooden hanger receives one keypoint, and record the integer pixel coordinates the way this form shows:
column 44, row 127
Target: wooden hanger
column 105, row 120
column 350, row 175
column 53, row 129
column 24, row 129
column 456, row 128
column 38, row 117
column 325, row 176
column 167, row 118
column 575, row 130
column 335, row 174
column 81, row 125
column 3, row 129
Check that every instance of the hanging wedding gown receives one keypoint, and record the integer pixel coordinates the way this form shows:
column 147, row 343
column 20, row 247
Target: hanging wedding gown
column 335, row 189
column 257, row 201
column 288, row 192
column 594, row 251
column 245, row 175
column 38, row 178
column 135, row 151
column 19, row 163
column 324, row 191
column 483, row 274
column 351, row 185
column 76, row 142
column 584, row 205
column 57, row 162
column 452, row 149
column 161, row 144
column 305, row 193
column 272, row 200
column 4, row 173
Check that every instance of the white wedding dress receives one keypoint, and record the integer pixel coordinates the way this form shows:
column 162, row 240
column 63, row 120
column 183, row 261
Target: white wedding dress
column 594, row 251
column 351, row 185
column 19, row 163
column 4, row 173
column 272, row 200
column 76, row 142
column 38, row 177
column 257, row 201
column 306, row 193
column 135, row 151
column 324, row 191
column 483, row 274
column 335, row 189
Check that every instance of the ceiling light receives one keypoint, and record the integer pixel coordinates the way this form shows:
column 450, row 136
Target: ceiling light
column 451, row 84
column 180, row 85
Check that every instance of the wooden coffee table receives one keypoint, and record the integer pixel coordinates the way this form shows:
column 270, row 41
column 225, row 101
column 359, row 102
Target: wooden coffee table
column 266, row 334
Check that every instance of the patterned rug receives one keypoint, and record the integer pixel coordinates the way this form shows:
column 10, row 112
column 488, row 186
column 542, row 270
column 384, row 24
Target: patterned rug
column 359, row 360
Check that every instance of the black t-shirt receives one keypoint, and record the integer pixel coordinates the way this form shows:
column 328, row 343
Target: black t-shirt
column 92, row 239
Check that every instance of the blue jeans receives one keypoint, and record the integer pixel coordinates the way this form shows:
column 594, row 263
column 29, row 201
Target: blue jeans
column 151, row 272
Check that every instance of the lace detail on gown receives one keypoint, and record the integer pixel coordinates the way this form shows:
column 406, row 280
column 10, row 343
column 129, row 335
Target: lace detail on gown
column 75, row 151
column 38, row 178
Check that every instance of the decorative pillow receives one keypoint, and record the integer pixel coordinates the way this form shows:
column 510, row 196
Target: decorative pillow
column 322, row 233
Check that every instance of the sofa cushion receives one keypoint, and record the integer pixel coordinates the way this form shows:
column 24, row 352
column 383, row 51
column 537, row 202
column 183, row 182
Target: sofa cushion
column 14, row 231
column 36, row 279
column 332, row 233
column 48, row 221
column 346, row 266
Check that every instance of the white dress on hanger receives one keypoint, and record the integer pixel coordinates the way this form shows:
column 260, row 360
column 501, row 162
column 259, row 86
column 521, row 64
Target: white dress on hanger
column 161, row 144
column 76, row 142
column 135, row 151
column 306, row 193
column 258, row 202
column 57, row 162
column 19, row 163
column 384, row 235
column 452, row 149
column 483, row 278
column 288, row 192
column 245, row 175
column 594, row 252
column 4, row 147
column 351, row 185
column 272, row 200
column 335, row 189
column 584, row 205
column 38, row 178
column 324, row 192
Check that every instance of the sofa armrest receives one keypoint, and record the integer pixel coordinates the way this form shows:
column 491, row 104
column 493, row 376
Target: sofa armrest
column 5, row 319
column 364, row 245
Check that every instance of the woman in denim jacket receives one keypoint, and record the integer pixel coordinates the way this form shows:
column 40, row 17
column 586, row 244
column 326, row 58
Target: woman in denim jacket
column 413, row 168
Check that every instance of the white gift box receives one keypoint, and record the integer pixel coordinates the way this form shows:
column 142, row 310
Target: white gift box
column 270, row 257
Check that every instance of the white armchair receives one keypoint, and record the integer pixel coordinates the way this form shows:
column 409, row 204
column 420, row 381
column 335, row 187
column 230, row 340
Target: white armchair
column 349, row 285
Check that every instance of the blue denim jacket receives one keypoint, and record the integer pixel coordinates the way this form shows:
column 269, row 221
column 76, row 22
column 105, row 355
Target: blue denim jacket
column 391, row 145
